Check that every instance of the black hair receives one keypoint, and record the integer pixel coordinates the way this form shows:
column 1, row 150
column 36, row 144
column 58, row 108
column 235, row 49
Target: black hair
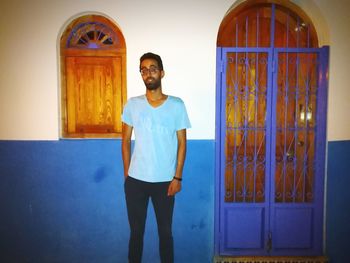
column 150, row 55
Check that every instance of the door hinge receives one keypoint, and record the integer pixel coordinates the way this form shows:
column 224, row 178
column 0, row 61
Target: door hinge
column 269, row 242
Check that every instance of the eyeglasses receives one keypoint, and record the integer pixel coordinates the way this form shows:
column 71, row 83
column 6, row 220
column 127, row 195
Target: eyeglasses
column 153, row 70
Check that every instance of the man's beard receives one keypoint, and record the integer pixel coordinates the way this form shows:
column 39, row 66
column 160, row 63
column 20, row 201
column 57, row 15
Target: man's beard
column 155, row 84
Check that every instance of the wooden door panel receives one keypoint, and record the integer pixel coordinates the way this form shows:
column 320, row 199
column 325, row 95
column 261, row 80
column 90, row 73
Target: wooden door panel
column 93, row 95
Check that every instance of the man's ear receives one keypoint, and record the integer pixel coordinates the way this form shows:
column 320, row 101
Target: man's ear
column 162, row 73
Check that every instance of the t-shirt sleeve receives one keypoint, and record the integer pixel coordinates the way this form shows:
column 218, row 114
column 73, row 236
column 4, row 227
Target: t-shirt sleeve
column 126, row 116
column 183, row 120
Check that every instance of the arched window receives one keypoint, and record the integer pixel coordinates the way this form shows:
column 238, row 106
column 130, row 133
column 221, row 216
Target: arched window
column 93, row 78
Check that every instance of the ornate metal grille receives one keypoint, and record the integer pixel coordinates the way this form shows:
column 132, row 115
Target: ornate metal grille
column 246, row 105
column 245, row 140
column 92, row 35
column 295, row 127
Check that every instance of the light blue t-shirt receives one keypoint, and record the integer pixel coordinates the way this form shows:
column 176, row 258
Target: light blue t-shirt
column 155, row 152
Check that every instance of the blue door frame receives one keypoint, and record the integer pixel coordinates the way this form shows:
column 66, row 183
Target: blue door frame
column 270, row 227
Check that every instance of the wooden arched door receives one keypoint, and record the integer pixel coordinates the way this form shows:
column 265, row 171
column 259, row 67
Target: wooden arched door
column 270, row 137
column 93, row 78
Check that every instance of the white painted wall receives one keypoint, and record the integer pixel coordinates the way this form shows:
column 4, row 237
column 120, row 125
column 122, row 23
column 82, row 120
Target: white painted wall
column 338, row 19
column 182, row 32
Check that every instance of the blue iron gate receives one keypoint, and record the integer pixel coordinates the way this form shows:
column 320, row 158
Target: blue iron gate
column 270, row 154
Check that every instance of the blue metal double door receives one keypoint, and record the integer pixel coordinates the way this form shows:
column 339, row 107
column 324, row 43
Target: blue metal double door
column 271, row 137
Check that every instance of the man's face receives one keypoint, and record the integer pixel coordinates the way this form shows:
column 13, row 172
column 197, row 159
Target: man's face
column 151, row 74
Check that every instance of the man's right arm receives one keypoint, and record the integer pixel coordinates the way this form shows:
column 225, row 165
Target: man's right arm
column 126, row 147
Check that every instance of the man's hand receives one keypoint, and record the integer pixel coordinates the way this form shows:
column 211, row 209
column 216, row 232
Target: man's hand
column 174, row 187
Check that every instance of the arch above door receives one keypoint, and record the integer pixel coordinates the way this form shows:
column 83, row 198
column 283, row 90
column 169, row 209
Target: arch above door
column 253, row 24
column 307, row 7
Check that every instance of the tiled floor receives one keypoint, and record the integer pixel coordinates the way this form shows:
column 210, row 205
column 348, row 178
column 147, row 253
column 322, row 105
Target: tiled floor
column 270, row 259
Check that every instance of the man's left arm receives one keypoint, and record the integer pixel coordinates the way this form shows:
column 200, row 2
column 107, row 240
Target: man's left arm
column 175, row 185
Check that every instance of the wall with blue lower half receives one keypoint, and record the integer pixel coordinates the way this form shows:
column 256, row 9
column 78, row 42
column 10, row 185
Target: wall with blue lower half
column 63, row 201
column 337, row 202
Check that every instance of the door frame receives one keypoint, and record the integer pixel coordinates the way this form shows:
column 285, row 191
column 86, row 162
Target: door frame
column 320, row 133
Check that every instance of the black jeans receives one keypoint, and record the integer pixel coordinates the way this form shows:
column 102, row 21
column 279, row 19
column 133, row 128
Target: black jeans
column 137, row 194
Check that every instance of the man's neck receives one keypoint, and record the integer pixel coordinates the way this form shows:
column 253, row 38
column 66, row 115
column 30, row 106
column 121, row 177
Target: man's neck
column 155, row 95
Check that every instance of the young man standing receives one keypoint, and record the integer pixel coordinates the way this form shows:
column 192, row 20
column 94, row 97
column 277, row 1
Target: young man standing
column 154, row 171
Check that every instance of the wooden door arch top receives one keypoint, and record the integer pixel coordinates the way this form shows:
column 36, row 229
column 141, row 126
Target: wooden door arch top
column 92, row 28
column 255, row 16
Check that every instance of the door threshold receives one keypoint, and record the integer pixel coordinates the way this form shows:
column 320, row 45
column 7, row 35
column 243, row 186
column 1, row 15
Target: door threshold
column 257, row 259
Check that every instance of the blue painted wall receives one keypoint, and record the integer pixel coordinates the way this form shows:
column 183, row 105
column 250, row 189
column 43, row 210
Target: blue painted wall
column 63, row 201
column 338, row 202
